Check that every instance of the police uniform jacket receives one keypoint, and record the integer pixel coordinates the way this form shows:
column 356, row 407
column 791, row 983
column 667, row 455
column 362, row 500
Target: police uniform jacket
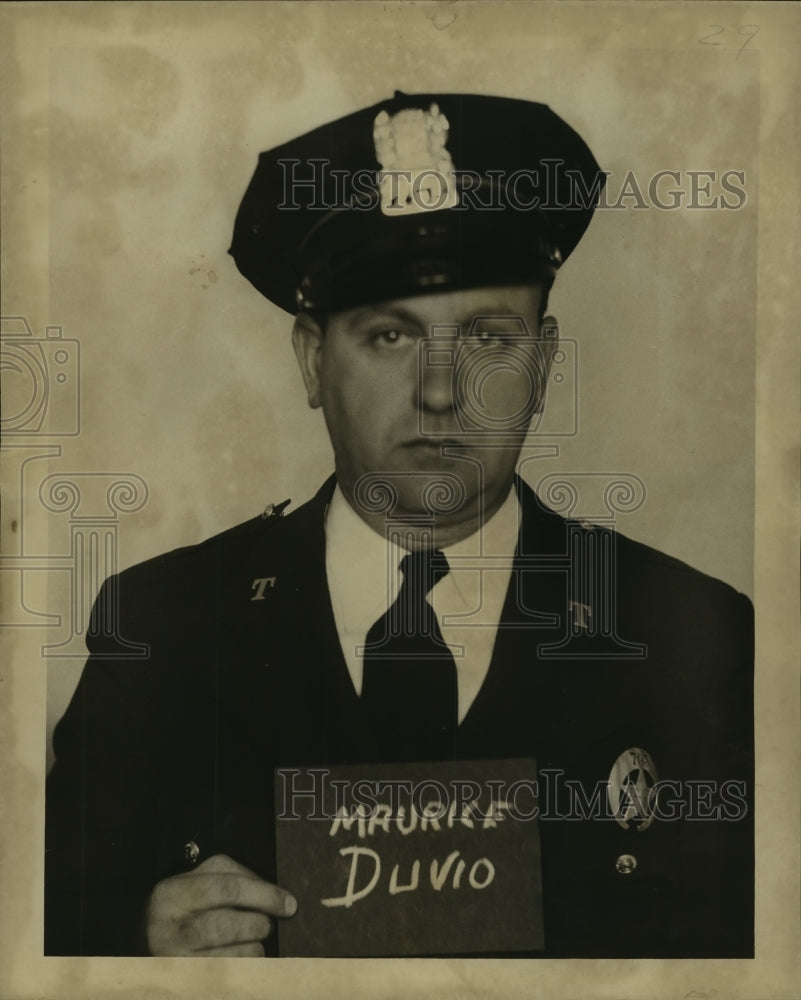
column 177, row 747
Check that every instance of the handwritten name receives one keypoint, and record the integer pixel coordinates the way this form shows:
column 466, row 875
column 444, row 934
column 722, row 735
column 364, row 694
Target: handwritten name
column 479, row 876
column 432, row 817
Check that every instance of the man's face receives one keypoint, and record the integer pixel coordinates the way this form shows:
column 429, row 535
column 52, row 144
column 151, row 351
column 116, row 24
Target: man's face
column 429, row 397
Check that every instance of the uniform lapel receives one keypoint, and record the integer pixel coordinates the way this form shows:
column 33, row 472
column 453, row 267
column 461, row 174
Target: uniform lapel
column 503, row 720
column 318, row 716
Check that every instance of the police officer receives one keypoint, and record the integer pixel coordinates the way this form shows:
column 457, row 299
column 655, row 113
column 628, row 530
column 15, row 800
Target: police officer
column 416, row 242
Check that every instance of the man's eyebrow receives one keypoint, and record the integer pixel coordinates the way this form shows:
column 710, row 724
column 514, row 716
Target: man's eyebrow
column 488, row 315
column 492, row 314
column 392, row 311
column 488, row 312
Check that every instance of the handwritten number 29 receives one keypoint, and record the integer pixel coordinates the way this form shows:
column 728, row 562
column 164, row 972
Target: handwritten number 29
column 747, row 31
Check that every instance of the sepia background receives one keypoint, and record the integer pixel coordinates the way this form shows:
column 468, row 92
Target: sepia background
column 131, row 132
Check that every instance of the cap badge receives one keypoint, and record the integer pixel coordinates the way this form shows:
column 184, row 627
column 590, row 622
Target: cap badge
column 633, row 790
column 417, row 172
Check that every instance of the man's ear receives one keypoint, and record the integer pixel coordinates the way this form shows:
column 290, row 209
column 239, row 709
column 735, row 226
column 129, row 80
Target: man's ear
column 547, row 343
column 308, row 339
column 549, row 329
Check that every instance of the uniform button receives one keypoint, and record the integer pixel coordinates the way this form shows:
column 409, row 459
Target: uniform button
column 626, row 864
column 191, row 852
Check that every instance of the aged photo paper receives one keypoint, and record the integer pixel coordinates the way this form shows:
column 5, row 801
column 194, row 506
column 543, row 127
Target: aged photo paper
column 152, row 397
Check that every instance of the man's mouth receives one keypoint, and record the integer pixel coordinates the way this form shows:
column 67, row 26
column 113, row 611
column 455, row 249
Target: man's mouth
column 434, row 445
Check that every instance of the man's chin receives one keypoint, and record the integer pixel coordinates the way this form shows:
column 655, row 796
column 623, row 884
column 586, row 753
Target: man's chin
column 417, row 494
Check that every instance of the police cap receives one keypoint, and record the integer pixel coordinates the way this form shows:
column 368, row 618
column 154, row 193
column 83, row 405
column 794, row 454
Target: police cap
column 415, row 194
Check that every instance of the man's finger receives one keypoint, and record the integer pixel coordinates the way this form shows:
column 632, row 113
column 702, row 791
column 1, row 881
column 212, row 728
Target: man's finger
column 224, row 864
column 244, row 892
column 252, row 950
column 223, row 927
column 279, row 904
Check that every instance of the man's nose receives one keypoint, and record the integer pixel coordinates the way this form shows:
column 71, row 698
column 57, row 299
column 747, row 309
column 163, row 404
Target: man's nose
column 435, row 390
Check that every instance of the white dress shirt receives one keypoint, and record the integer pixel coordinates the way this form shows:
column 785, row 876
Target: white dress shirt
column 364, row 578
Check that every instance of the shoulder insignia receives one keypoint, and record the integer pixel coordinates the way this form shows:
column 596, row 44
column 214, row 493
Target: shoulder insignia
column 260, row 584
column 275, row 509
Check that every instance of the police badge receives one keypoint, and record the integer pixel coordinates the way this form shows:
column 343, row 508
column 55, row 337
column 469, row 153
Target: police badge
column 632, row 789
column 417, row 174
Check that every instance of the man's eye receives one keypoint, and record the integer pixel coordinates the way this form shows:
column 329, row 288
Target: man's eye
column 488, row 338
column 389, row 337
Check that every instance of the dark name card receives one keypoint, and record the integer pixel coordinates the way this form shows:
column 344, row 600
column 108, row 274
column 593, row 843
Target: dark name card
column 410, row 859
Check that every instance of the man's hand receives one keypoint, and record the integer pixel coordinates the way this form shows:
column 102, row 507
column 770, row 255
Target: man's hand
column 220, row 908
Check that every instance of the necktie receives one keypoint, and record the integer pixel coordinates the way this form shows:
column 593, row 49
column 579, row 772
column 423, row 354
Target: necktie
column 409, row 688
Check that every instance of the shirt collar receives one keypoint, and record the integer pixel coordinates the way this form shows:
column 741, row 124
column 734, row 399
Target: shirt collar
column 362, row 567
